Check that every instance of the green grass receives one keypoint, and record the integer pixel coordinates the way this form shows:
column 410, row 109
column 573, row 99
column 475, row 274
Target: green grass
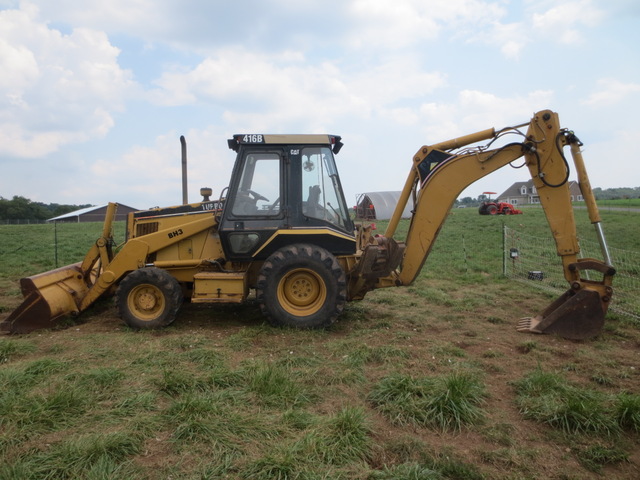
column 408, row 471
column 46, row 246
column 627, row 411
column 102, row 455
column 11, row 349
column 339, row 440
column 274, row 385
column 446, row 403
column 597, row 456
column 547, row 397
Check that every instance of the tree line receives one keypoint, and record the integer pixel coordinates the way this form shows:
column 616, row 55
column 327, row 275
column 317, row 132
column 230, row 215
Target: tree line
column 616, row 193
column 21, row 208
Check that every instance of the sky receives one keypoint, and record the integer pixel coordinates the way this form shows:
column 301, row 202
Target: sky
column 95, row 95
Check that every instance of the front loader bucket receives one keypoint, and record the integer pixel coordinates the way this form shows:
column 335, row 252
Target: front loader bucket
column 47, row 297
column 574, row 315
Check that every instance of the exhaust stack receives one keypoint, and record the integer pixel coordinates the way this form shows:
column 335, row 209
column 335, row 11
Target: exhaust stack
column 185, row 197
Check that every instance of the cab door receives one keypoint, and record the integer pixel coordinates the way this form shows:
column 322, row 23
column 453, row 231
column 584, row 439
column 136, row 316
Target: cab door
column 255, row 208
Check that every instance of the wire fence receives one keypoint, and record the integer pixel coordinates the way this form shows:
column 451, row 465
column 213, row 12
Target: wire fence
column 534, row 260
column 24, row 221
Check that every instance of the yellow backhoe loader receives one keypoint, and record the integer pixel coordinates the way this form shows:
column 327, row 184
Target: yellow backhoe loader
column 282, row 229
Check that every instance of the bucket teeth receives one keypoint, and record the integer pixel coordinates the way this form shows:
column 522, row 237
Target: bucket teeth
column 528, row 324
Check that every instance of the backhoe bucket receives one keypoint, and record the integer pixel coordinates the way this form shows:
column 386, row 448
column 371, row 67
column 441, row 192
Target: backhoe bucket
column 574, row 315
column 47, row 297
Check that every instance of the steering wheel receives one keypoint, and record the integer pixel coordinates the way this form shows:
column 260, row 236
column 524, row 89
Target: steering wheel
column 257, row 196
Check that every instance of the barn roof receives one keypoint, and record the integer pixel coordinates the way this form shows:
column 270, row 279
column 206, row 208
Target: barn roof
column 84, row 211
column 75, row 213
column 385, row 203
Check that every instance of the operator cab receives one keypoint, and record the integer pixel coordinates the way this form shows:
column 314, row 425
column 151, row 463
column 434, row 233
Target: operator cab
column 285, row 189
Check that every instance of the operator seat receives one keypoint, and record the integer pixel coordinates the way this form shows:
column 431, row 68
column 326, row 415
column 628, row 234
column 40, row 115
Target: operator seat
column 312, row 201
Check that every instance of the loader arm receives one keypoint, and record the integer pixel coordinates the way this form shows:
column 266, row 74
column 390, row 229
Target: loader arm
column 437, row 178
column 72, row 289
column 134, row 253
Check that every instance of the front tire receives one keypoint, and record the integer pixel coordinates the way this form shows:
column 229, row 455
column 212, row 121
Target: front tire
column 301, row 286
column 148, row 298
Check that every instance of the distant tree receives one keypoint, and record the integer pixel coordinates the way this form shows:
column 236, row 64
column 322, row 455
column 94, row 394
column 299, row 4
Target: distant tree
column 21, row 208
column 616, row 193
column 468, row 201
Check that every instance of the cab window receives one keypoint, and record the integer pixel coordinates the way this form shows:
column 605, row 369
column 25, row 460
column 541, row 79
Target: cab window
column 258, row 192
column 321, row 192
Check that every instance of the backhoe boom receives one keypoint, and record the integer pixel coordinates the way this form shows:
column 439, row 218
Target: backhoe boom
column 438, row 176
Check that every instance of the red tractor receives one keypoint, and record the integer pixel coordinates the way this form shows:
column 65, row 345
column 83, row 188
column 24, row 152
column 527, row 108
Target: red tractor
column 490, row 207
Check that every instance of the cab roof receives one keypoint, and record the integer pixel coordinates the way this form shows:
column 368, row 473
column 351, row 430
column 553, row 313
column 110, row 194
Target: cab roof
column 292, row 139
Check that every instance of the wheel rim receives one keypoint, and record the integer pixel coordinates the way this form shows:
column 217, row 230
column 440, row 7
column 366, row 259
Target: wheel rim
column 146, row 302
column 302, row 292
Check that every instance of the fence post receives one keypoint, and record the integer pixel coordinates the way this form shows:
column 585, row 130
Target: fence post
column 504, row 249
column 55, row 243
column 464, row 256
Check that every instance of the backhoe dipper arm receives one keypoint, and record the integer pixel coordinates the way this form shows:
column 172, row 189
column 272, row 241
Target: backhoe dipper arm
column 439, row 176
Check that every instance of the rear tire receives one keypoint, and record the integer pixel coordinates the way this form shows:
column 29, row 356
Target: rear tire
column 301, row 286
column 492, row 210
column 148, row 298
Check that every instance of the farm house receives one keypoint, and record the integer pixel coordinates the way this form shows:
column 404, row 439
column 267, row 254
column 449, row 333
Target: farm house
column 92, row 214
column 379, row 205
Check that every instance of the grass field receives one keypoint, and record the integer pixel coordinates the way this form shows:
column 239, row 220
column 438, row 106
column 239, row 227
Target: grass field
column 429, row 381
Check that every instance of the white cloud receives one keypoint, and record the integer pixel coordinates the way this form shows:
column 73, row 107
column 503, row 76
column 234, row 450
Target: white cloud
column 610, row 92
column 97, row 14
column 360, row 25
column 55, row 88
column 391, row 26
column 475, row 110
column 154, row 172
column 564, row 20
column 264, row 91
column 382, row 24
column 261, row 92
column 510, row 38
column 22, row 64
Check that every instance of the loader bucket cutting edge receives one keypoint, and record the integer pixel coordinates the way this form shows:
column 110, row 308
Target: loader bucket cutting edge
column 574, row 316
column 47, row 297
